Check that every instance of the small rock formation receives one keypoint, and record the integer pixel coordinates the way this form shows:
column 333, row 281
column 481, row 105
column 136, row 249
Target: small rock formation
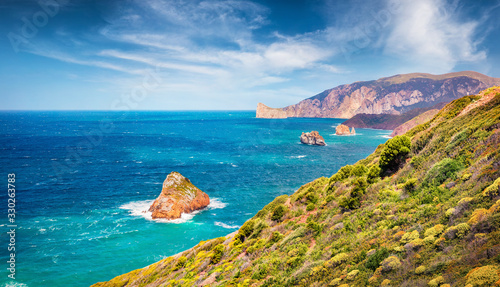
column 312, row 138
column 343, row 130
column 178, row 196
column 266, row 112
column 353, row 131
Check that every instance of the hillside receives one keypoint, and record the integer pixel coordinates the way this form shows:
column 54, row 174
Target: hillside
column 387, row 121
column 392, row 95
column 418, row 120
column 422, row 210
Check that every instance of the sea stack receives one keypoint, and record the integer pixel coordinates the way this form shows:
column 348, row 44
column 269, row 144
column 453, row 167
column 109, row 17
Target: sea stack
column 312, row 138
column 178, row 196
column 343, row 130
column 353, row 131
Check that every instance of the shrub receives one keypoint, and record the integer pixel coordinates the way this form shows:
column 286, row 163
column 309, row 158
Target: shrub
column 483, row 276
column 394, row 154
column 390, row 263
column 492, row 190
column 335, row 282
column 446, row 168
column 436, row 281
column 353, row 200
column 180, row 263
column 373, row 174
column 218, row 251
column 352, row 275
column 275, row 237
column 410, row 236
column 310, row 206
column 337, row 260
column 478, row 215
column 315, row 227
column 343, row 173
column 374, row 260
column 458, row 231
column 312, row 197
column 434, row 231
column 358, row 170
column 278, row 213
column 420, row 270
column 410, row 184
column 247, row 228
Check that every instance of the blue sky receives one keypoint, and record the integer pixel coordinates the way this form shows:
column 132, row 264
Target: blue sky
column 198, row 55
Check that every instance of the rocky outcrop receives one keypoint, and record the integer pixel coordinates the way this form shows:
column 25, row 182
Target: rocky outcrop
column 353, row 131
column 178, row 196
column 266, row 112
column 418, row 120
column 393, row 95
column 312, row 138
column 343, row 130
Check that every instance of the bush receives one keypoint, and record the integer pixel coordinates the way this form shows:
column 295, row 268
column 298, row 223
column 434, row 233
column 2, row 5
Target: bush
column 420, row 270
column 390, row 263
column 246, row 229
column 310, row 206
column 337, row 260
column 373, row 174
column 483, row 276
column 410, row 184
column 436, row 281
column 374, row 260
column 447, row 168
column 312, row 197
column 278, row 213
column 343, row 173
column 180, row 263
column 394, row 154
column 275, row 237
column 492, row 190
column 218, row 251
column 353, row 200
column 358, row 170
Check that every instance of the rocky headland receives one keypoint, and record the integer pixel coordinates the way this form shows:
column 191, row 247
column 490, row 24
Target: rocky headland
column 392, row 95
column 343, row 130
column 312, row 138
column 178, row 196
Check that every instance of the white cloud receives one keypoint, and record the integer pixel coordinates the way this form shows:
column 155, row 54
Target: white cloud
column 432, row 35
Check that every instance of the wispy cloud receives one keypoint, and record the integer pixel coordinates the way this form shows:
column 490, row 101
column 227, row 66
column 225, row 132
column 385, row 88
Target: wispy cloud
column 435, row 35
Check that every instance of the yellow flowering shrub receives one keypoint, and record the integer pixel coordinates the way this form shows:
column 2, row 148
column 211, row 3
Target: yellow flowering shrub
column 483, row 276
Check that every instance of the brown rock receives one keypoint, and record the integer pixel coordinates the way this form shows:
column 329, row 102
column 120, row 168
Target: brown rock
column 342, row 130
column 178, row 196
column 312, row 138
column 353, row 131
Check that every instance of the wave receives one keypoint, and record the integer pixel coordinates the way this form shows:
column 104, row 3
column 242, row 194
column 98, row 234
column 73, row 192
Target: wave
column 223, row 225
column 298, row 156
column 140, row 208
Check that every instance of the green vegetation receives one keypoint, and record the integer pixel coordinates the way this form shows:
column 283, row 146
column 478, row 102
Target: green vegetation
column 422, row 210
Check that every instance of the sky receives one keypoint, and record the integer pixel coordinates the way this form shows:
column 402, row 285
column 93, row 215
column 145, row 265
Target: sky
column 228, row 55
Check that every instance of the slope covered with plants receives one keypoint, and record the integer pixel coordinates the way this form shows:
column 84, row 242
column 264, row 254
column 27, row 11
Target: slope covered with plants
column 422, row 210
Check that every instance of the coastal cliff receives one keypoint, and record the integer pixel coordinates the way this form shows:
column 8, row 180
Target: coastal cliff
column 392, row 95
column 266, row 112
column 422, row 210
column 178, row 196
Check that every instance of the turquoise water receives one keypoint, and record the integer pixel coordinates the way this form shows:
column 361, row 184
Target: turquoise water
column 84, row 178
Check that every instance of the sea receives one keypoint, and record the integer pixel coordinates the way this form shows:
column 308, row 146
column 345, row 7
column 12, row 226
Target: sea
column 84, row 179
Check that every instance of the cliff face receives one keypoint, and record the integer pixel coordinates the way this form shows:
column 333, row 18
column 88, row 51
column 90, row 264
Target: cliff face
column 266, row 112
column 392, row 95
column 178, row 196
column 418, row 120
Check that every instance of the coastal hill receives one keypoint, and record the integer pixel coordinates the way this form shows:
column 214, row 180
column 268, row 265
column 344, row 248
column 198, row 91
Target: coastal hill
column 422, row 210
column 392, row 95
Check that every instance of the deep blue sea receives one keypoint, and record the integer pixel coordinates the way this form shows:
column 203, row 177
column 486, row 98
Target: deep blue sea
column 84, row 178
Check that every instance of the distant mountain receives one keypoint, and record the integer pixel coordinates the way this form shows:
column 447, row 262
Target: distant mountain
column 392, row 95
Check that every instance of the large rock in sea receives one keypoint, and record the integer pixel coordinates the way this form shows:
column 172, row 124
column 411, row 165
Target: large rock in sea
column 343, row 130
column 312, row 138
column 178, row 196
